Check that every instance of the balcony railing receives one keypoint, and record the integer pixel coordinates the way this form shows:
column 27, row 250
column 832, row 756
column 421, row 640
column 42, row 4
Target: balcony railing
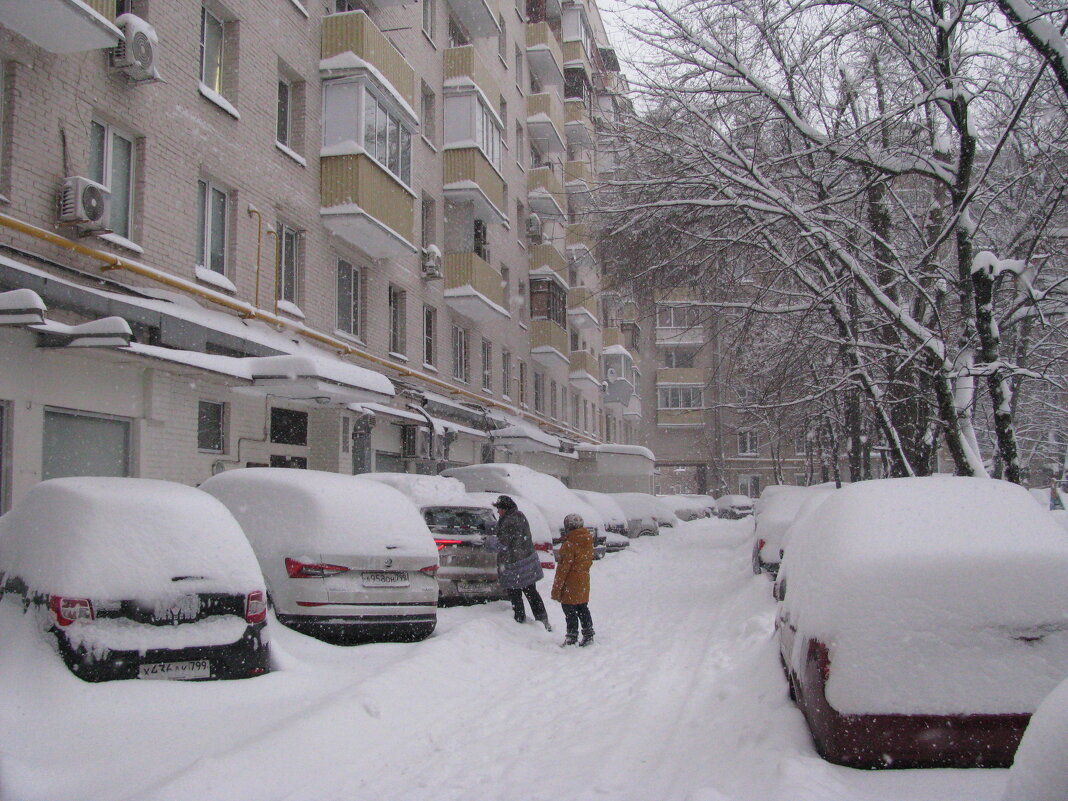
column 575, row 56
column 464, row 62
column 546, row 256
column 579, row 127
column 354, row 32
column 678, row 417
column 366, row 206
column 585, row 362
column 549, row 344
column 582, row 308
column 545, row 195
column 545, row 121
column 545, row 57
column 579, row 237
column 469, row 176
column 613, row 337
column 577, row 176
column 682, row 375
column 473, row 288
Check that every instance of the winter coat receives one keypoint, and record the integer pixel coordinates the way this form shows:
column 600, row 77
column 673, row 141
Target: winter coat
column 518, row 564
column 572, row 582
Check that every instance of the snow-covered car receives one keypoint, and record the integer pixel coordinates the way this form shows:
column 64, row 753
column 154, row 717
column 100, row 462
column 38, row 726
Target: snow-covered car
column 1039, row 771
column 615, row 522
column 684, row 507
column 641, row 512
column 734, row 507
column 540, row 532
column 345, row 558
column 923, row 620
column 136, row 579
column 775, row 514
column 546, row 492
column 460, row 525
column 706, row 502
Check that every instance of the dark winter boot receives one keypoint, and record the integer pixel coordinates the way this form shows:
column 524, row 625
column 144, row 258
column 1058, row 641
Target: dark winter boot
column 545, row 622
column 569, row 639
column 520, row 618
column 587, row 639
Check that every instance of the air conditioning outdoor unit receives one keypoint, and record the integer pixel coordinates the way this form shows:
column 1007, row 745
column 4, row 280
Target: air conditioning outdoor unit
column 431, row 262
column 610, row 374
column 85, row 204
column 136, row 55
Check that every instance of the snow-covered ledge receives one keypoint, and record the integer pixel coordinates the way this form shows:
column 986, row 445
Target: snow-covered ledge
column 122, row 242
column 292, row 309
column 210, row 94
column 291, row 153
column 208, row 276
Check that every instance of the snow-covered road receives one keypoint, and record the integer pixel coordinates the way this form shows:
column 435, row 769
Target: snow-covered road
column 681, row 698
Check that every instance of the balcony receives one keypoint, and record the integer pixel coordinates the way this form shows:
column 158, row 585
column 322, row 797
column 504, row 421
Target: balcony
column 613, row 337
column 585, row 372
column 470, row 178
column 676, row 418
column 545, row 57
column 579, row 126
column 577, row 176
column 618, row 374
column 478, row 16
column 545, row 121
column 676, row 335
column 579, row 240
column 549, row 344
column 473, row 288
column 633, row 409
column 353, row 34
column 366, row 206
column 582, row 308
column 575, row 58
column 464, row 67
column 545, row 196
column 63, row 26
column 545, row 258
column 682, row 375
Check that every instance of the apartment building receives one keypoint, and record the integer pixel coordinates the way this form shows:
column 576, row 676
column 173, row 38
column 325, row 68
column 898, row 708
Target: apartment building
column 340, row 235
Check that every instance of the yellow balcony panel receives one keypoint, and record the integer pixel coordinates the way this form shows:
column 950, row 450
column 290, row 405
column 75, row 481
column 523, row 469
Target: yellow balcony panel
column 579, row 127
column 546, row 259
column 464, row 67
column 545, row 195
column 549, row 345
column 694, row 335
column 679, row 417
column 582, row 308
column 579, row 237
column 62, row 26
column 677, row 295
column 469, row 177
column 545, row 121
column 577, row 176
column 585, row 371
column 478, row 16
column 351, row 41
column 545, row 57
column 575, row 56
column 366, row 206
column 613, row 337
column 682, row 375
column 473, row 288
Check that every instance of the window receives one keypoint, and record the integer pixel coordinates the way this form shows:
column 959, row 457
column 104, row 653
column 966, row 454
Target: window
column 398, row 324
column 506, row 281
column 539, row 392
column 430, row 335
column 111, row 163
column 674, row 316
column 552, row 400
column 284, row 124
column 749, row 485
column 288, row 255
column 502, row 38
column 488, row 134
column 211, row 417
column 427, row 222
column 480, row 236
column 211, row 227
column 429, row 7
column 518, row 66
column 748, row 443
column 81, row 444
column 585, row 415
column 519, row 148
column 386, row 139
column 506, row 373
column 683, row 397
column 678, row 357
column 487, row 364
column 349, row 293
column 457, row 35
column 428, row 105
column 289, row 427
column 575, row 410
column 460, row 356
column 212, row 37
column 801, row 479
column 548, row 301
column 522, row 383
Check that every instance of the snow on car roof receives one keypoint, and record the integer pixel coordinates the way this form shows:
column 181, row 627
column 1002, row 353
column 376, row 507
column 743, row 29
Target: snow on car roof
column 124, row 538
column 424, row 490
column 286, row 510
column 1039, row 771
column 607, row 506
column 778, row 512
column 539, row 526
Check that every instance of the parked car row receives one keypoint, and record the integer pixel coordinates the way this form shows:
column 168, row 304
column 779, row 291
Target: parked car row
column 137, row 578
column 921, row 621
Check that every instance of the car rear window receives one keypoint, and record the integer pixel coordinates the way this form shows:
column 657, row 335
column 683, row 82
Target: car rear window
column 452, row 519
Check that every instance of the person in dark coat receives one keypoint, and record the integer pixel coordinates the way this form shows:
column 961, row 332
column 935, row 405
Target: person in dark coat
column 518, row 565
column 571, row 587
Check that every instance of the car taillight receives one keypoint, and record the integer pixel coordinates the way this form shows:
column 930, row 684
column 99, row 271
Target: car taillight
column 443, row 543
column 255, row 607
column 298, row 569
column 67, row 610
column 543, row 546
column 822, row 657
column 760, row 545
column 429, row 570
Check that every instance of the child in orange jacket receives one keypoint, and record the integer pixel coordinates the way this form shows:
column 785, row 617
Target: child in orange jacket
column 571, row 587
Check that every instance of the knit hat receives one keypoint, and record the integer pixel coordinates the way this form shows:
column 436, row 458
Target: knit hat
column 573, row 521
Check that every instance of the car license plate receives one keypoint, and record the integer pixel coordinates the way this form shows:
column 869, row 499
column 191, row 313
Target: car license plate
column 382, row 579
column 194, row 669
column 475, row 587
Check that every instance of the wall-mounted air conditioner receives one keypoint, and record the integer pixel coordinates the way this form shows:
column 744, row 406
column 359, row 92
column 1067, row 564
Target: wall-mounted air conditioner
column 136, row 55
column 85, row 204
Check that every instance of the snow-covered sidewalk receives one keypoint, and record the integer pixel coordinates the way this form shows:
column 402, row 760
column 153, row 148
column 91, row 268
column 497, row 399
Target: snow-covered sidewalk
column 680, row 699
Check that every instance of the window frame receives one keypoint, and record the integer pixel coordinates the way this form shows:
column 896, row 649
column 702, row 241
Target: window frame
column 354, row 306
column 288, row 273
column 206, row 191
column 680, row 397
column 221, row 421
column 461, row 354
column 487, row 365
column 398, row 320
column 286, row 139
column 749, row 442
column 103, row 172
column 220, row 60
column 396, row 132
column 430, row 335
column 429, row 22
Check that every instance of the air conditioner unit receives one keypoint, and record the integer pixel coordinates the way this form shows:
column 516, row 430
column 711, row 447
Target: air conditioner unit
column 85, row 204
column 534, row 228
column 431, row 262
column 611, row 374
column 136, row 55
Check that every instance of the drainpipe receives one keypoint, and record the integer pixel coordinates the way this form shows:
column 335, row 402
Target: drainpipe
column 259, row 241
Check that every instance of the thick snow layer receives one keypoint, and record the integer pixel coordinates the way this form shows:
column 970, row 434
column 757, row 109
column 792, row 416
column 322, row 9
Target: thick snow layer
column 539, row 526
column 120, row 634
column 309, row 512
column 124, row 538
column 1040, row 772
column 425, row 490
column 681, row 699
column 776, row 513
column 684, row 506
column 606, row 506
column 934, row 595
column 640, row 504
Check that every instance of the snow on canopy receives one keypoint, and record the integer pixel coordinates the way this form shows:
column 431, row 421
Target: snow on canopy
column 1040, row 770
column 288, row 510
column 940, row 595
column 425, row 490
column 124, row 539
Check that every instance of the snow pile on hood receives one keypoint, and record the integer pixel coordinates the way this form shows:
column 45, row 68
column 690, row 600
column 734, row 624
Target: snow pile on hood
column 1040, row 772
column 284, row 511
column 424, row 490
column 124, row 539
column 938, row 595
